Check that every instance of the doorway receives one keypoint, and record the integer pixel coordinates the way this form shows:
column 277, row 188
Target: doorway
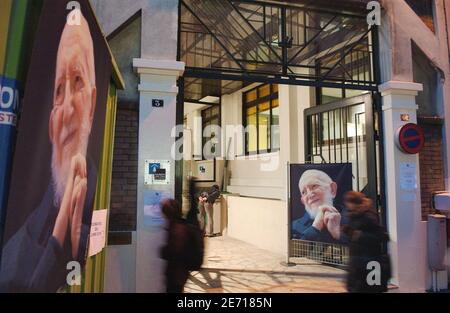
column 232, row 45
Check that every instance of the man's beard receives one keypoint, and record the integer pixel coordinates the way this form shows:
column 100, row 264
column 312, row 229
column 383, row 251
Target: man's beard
column 60, row 172
column 312, row 212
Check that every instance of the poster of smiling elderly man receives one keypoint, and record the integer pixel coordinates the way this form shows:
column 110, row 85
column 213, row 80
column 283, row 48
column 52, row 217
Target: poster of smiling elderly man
column 317, row 213
column 58, row 150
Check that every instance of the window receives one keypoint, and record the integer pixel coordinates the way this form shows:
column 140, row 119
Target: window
column 261, row 113
column 354, row 68
column 424, row 72
column 211, row 139
column 328, row 95
column 424, row 9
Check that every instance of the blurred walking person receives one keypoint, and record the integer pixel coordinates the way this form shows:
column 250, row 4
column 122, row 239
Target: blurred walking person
column 367, row 241
column 174, row 252
column 193, row 212
column 184, row 250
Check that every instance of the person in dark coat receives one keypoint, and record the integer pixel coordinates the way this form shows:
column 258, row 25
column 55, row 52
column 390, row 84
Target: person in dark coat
column 369, row 267
column 192, row 215
column 175, row 251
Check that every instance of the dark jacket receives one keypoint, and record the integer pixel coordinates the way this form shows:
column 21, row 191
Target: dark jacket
column 367, row 240
column 211, row 194
column 175, row 253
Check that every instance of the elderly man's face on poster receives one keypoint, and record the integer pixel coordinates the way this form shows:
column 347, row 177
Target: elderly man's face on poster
column 58, row 150
column 316, row 189
column 74, row 101
column 316, row 207
column 70, row 126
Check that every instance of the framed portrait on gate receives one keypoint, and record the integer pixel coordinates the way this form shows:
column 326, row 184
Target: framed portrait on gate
column 317, row 212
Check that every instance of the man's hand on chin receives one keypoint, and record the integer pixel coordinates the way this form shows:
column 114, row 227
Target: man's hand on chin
column 77, row 206
column 318, row 221
column 332, row 220
column 71, row 209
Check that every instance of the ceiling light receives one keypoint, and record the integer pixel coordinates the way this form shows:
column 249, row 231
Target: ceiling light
column 210, row 99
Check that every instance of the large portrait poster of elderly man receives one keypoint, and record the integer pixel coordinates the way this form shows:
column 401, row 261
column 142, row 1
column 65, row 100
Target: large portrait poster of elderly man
column 317, row 213
column 58, row 151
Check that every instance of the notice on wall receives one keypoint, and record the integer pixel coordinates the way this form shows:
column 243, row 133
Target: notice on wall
column 157, row 172
column 97, row 238
column 204, row 170
column 408, row 176
column 152, row 207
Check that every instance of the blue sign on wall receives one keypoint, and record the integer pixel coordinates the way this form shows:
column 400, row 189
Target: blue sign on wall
column 9, row 104
column 153, row 168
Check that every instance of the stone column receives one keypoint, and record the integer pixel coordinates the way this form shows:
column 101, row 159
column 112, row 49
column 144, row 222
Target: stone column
column 158, row 81
column 304, row 95
column 408, row 234
column 288, row 127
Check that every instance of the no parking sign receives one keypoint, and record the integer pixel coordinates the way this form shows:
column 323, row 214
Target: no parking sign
column 411, row 139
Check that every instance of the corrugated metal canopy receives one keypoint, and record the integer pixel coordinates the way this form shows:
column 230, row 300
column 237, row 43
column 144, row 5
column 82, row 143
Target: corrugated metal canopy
column 264, row 39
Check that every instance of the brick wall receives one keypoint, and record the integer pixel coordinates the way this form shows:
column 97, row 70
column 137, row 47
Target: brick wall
column 125, row 168
column 431, row 163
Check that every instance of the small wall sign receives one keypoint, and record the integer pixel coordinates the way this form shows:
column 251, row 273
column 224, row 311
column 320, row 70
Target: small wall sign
column 157, row 103
column 157, row 172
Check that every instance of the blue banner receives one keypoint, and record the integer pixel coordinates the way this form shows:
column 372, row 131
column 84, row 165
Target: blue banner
column 9, row 104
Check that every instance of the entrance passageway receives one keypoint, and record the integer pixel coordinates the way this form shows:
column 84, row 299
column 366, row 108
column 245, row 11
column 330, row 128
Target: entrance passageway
column 232, row 266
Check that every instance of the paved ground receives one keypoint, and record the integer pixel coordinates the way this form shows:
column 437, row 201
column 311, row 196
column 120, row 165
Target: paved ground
column 234, row 266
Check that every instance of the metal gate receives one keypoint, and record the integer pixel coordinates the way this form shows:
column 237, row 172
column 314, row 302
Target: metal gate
column 341, row 132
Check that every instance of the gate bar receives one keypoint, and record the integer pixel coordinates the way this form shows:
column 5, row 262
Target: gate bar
column 201, row 73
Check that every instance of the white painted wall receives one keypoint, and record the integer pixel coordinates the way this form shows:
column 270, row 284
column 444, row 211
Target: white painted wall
column 158, row 81
column 120, row 273
column 159, row 23
column 194, row 131
column 260, row 222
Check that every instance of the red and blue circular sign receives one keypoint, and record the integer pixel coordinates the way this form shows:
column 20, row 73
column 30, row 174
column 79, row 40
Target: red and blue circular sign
column 411, row 138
